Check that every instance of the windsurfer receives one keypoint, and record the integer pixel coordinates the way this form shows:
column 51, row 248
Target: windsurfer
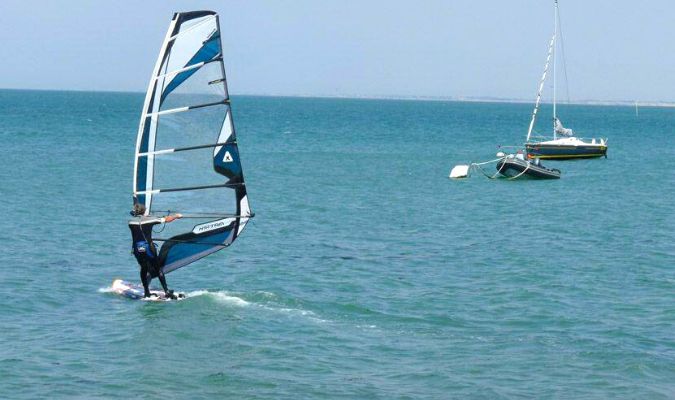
column 145, row 250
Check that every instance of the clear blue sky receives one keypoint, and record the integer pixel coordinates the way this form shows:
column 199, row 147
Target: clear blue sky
column 616, row 50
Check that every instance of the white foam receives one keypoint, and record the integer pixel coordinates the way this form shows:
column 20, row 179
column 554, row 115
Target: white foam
column 228, row 298
column 292, row 311
column 220, row 296
column 295, row 311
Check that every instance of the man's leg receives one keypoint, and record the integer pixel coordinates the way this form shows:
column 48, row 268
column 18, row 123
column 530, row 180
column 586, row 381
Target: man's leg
column 145, row 277
column 156, row 269
column 162, row 280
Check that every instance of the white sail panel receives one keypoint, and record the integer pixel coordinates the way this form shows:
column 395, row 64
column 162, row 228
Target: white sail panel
column 226, row 132
column 202, row 86
column 187, row 45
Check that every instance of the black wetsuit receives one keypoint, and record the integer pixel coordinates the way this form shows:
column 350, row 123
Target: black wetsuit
column 146, row 251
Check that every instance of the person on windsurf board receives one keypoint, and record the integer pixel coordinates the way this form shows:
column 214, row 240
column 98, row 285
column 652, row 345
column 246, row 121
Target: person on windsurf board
column 145, row 250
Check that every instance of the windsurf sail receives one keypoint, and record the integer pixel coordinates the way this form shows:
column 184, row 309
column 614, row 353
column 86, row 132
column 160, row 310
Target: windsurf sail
column 187, row 159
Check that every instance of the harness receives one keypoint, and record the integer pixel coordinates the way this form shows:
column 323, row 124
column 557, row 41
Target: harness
column 144, row 247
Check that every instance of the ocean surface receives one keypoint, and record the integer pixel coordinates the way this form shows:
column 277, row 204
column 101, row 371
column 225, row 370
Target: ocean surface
column 366, row 273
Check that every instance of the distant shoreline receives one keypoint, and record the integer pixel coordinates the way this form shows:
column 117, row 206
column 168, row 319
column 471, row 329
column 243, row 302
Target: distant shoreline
column 457, row 99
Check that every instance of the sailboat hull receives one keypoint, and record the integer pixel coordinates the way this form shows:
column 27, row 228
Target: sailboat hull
column 559, row 151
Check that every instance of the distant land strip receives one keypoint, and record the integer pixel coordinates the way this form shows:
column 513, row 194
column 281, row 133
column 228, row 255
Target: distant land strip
column 468, row 99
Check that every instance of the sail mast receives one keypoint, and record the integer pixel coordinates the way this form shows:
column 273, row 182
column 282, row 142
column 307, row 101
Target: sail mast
column 555, row 33
column 541, row 87
column 145, row 141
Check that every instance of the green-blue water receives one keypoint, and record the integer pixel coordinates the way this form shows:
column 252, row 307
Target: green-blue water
column 366, row 273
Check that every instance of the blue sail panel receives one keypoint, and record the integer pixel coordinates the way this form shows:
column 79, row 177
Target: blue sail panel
column 226, row 162
column 209, row 51
column 186, row 248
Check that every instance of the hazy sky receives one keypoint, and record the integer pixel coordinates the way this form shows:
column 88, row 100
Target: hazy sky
column 616, row 49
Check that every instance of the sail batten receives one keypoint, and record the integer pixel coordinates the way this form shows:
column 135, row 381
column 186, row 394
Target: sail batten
column 230, row 185
column 183, row 109
column 188, row 68
column 166, row 151
column 187, row 155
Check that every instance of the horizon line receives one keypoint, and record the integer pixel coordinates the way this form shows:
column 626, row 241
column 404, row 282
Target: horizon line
column 456, row 99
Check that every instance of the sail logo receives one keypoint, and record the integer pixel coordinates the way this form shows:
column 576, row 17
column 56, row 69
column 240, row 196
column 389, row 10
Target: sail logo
column 212, row 226
column 227, row 157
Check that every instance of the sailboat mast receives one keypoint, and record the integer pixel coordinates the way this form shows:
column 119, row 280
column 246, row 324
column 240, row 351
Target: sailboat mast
column 541, row 87
column 555, row 34
column 555, row 44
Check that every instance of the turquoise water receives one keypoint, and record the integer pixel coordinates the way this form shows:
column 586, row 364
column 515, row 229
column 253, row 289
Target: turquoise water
column 366, row 273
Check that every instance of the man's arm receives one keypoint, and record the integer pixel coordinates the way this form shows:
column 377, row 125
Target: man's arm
column 172, row 217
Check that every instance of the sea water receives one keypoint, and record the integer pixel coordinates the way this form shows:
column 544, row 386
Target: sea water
column 366, row 272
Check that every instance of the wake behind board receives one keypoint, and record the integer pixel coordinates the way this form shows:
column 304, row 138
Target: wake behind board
column 135, row 292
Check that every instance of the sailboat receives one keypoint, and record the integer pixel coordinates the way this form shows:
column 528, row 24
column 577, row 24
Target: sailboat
column 564, row 145
column 187, row 157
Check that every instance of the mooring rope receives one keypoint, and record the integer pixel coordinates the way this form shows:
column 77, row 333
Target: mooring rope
column 478, row 166
column 520, row 174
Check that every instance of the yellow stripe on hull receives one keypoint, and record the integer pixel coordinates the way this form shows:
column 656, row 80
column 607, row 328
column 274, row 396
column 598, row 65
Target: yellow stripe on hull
column 548, row 157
